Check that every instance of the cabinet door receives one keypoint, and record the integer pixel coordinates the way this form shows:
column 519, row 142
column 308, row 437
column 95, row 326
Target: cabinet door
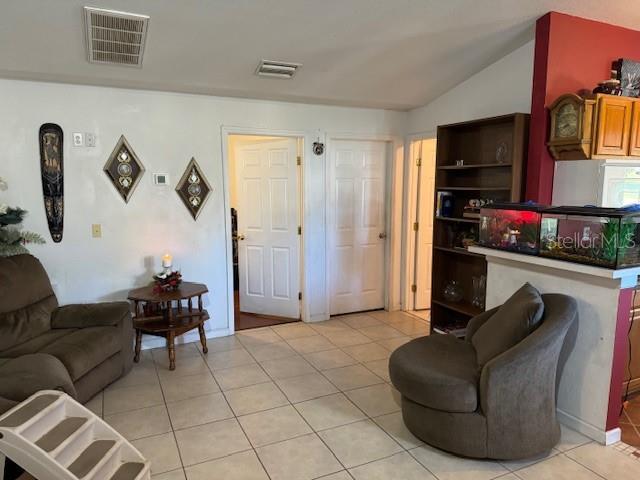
column 614, row 122
column 634, row 142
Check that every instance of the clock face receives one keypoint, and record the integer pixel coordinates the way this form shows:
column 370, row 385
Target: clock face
column 567, row 121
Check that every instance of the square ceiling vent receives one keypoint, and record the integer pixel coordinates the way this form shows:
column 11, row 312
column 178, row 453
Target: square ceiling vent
column 269, row 68
column 115, row 38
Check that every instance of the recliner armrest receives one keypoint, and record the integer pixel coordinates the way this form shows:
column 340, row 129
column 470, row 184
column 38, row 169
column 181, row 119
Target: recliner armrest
column 476, row 322
column 90, row 315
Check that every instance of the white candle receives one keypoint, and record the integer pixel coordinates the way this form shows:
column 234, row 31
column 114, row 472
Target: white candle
column 166, row 260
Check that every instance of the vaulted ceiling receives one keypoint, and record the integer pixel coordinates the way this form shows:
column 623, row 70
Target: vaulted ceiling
column 396, row 54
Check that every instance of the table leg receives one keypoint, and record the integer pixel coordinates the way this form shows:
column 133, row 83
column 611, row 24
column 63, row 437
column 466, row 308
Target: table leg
column 171, row 343
column 203, row 338
column 136, row 358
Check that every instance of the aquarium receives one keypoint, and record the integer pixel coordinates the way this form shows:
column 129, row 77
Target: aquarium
column 511, row 226
column 603, row 237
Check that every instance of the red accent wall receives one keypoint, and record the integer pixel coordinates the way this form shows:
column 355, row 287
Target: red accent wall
column 571, row 54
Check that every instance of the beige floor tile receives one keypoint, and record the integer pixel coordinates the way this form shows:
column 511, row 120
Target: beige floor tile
column 258, row 336
column 376, row 400
column 354, row 376
column 401, row 466
column 239, row 466
column 184, row 366
column 606, row 461
column 161, row 451
column 381, row 332
column 237, row 377
column 198, row 410
column 131, row 398
column 306, row 387
column 367, row 352
column 182, row 350
column 179, row 388
column 380, row 368
column 211, row 441
column 412, row 327
column 449, row 467
column 172, row 475
column 141, row 423
column 330, row 359
column 255, row 398
column 229, row 359
column 559, row 467
column 95, row 404
column 317, row 343
column 294, row 330
column 358, row 443
column 140, row 374
column 570, row 439
column 329, row 412
column 272, row 351
column 343, row 475
column 302, row 458
column 391, row 317
column 361, row 321
column 392, row 343
column 334, row 324
column 393, row 424
column 223, row 344
column 287, row 367
column 273, row 426
column 346, row 338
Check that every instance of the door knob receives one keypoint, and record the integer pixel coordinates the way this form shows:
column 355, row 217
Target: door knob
column 241, row 236
column 382, row 235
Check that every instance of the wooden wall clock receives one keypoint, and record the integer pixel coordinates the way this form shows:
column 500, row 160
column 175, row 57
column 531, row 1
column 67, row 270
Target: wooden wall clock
column 571, row 129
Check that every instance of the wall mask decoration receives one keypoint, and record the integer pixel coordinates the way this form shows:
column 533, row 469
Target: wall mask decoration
column 193, row 188
column 124, row 169
column 52, row 173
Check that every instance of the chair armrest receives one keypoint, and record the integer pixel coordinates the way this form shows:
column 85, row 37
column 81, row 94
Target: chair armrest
column 476, row 322
column 23, row 376
column 90, row 315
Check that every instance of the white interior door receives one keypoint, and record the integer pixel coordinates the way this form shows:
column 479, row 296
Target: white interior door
column 268, row 240
column 424, row 217
column 357, row 225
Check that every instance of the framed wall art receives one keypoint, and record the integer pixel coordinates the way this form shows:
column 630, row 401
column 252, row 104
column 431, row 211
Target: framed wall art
column 51, row 139
column 193, row 188
column 124, row 169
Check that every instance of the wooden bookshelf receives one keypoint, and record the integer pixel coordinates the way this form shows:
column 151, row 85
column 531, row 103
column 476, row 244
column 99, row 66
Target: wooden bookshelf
column 493, row 154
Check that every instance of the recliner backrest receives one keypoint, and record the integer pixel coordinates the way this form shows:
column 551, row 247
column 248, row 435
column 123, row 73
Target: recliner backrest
column 26, row 300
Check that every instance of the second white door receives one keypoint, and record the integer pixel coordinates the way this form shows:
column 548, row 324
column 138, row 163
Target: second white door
column 357, row 225
column 268, row 239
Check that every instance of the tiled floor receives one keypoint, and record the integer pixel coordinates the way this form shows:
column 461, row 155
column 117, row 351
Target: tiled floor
column 630, row 422
column 305, row 401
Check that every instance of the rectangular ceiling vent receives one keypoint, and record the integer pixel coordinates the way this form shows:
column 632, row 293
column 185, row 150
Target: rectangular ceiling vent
column 268, row 68
column 115, row 38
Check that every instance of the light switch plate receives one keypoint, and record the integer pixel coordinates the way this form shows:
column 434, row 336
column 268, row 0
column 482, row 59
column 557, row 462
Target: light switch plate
column 90, row 139
column 96, row 230
column 78, row 139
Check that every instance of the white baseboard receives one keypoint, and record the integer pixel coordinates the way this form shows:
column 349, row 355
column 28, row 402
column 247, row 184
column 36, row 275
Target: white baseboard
column 613, row 436
column 149, row 341
column 583, row 427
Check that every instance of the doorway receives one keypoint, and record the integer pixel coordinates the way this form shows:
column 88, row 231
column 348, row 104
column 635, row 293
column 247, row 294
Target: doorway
column 420, row 196
column 358, row 199
column 265, row 194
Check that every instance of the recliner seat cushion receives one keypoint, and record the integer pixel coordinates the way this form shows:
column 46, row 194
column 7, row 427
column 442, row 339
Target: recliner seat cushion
column 85, row 349
column 513, row 322
column 438, row 371
column 38, row 343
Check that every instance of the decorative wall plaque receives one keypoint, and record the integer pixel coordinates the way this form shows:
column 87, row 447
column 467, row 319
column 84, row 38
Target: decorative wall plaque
column 193, row 188
column 124, row 168
column 51, row 170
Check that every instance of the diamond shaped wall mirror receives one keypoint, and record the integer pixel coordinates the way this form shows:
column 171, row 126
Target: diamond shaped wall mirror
column 193, row 188
column 124, row 169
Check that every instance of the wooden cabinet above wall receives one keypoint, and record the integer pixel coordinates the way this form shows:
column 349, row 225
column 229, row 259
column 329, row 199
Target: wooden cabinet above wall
column 594, row 127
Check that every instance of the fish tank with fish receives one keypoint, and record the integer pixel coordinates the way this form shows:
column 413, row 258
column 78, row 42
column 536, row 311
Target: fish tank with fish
column 602, row 237
column 511, row 226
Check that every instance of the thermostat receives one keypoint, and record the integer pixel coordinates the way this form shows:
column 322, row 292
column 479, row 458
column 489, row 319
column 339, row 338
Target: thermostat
column 161, row 179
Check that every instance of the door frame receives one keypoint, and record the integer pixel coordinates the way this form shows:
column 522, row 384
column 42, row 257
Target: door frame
column 393, row 212
column 410, row 210
column 307, row 139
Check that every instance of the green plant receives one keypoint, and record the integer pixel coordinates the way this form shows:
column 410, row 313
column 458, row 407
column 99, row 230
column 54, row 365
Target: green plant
column 610, row 237
column 12, row 238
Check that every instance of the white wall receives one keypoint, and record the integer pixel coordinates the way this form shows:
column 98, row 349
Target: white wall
column 165, row 130
column 503, row 87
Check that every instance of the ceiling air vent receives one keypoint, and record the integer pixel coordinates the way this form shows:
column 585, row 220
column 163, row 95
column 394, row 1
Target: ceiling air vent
column 268, row 68
column 116, row 38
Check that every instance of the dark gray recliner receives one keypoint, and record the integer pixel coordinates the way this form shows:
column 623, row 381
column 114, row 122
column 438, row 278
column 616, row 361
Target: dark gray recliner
column 502, row 409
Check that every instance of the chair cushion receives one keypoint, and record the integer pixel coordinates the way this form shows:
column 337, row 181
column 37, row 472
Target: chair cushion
column 438, row 371
column 514, row 320
column 38, row 343
column 85, row 349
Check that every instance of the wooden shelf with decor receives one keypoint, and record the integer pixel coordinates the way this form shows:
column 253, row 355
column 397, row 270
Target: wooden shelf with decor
column 480, row 159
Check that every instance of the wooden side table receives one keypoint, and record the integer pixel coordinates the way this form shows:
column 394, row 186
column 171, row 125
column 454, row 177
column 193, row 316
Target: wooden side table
column 162, row 314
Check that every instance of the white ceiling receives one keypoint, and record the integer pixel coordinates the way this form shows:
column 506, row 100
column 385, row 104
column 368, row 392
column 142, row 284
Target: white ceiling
column 396, row 54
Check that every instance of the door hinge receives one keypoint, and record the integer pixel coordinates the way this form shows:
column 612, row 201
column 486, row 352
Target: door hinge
column 299, row 160
column 299, row 295
column 414, row 288
column 299, row 230
column 419, row 162
column 415, row 226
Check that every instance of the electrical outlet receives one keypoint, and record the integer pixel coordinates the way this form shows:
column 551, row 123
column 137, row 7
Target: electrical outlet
column 96, row 230
column 90, row 139
column 78, row 139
